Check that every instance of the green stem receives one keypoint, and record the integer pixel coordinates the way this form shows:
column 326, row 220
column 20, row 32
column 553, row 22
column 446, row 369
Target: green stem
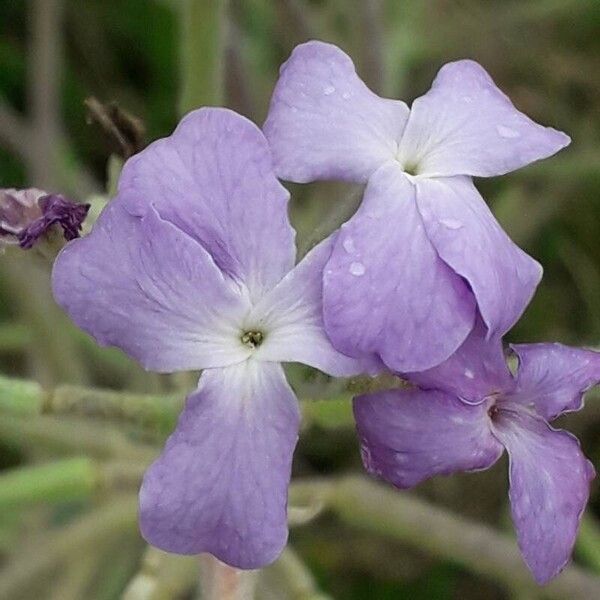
column 69, row 479
column 202, row 53
column 158, row 413
column 20, row 397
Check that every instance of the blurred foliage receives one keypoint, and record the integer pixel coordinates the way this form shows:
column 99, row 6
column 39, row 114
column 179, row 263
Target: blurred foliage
column 545, row 54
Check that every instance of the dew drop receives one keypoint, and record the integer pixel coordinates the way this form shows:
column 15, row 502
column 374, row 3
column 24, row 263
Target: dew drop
column 451, row 223
column 329, row 90
column 469, row 374
column 357, row 269
column 348, row 245
column 507, row 132
column 346, row 95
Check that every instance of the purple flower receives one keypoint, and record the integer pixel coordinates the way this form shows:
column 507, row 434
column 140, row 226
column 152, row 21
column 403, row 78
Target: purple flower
column 423, row 252
column 462, row 415
column 27, row 215
column 192, row 267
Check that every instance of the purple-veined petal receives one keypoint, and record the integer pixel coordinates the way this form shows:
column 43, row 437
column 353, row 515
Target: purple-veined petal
column 469, row 239
column 213, row 178
column 324, row 123
column 554, row 377
column 408, row 436
column 465, row 125
column 477, row 370
column 145, row 286
column 220, row 485
column 385, row 288
column 291, row 316
column 549, row 488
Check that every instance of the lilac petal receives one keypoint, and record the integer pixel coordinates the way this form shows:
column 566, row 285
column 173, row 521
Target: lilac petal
column 408, row 436
column 213, row 179
column 554, row 377
column 220, row 485
column 324, row 123
column 466, row 126
column 469, row 239
column 385, row 288
column 145, row 286
column 291, row 316
column 477, row 370
column 549, row 488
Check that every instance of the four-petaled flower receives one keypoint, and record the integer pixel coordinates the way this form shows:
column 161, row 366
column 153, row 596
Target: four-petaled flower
column 191, row 266
column 463, row 413
column 423, row 253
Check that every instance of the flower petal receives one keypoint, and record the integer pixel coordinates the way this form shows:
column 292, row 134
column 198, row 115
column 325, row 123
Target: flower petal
column 220, row 485
column 475, row 371
column 213, row 178
column 385, row 288
column 465, row 125
column 549, row 488
column 554, row 377
column 408, row 436
column 291, row 315
column 324, row 123
column 145, row 286
column 469, row 239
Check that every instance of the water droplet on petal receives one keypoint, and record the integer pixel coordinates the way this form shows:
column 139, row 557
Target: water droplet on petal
column 346, row 95
column 329, row 90
column 451, row 223
column 348, row 245
column 469, row 374
column 357, row 269
column 507, row 132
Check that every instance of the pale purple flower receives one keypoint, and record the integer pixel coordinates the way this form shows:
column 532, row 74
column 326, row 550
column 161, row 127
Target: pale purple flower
column 463, row 414
column 27, row 215
column 192, row 267
column 423, row 252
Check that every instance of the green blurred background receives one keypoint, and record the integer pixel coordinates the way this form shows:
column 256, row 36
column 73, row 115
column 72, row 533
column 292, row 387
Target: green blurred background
column 69, row 532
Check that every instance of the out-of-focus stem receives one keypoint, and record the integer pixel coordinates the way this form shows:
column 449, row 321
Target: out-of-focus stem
column 70, row 479
column 156, row 412
column 202, row 53
column 219, row 581
column 367, row 505
column 296, row 578
column 163, row 576
column 44, row 88
column 96, row 527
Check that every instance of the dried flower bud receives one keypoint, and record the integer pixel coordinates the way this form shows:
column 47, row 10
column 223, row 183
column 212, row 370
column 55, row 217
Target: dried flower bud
column 27, row 215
